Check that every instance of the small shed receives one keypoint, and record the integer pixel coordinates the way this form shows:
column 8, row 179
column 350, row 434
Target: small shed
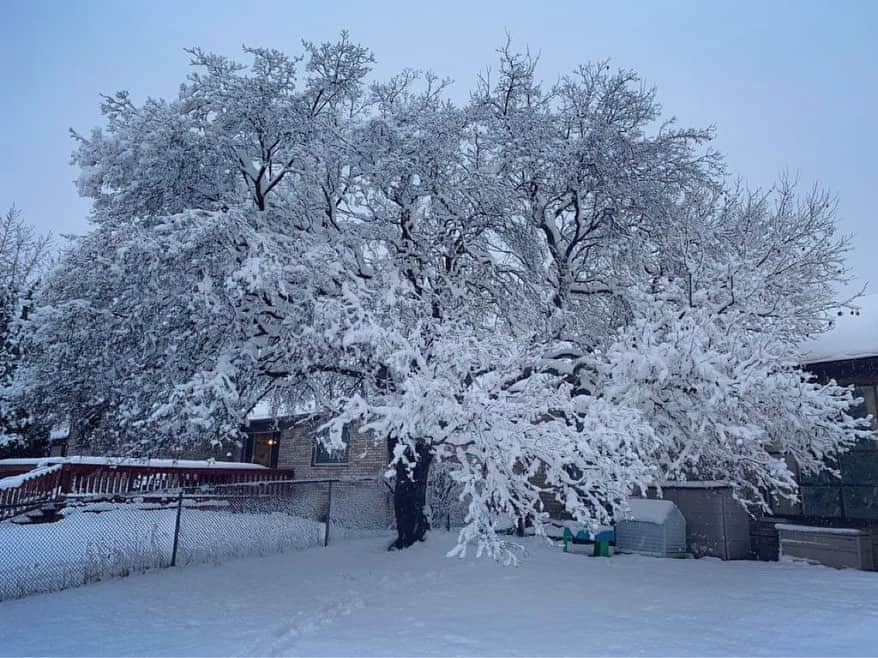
column 716, row 524
column 651, row 527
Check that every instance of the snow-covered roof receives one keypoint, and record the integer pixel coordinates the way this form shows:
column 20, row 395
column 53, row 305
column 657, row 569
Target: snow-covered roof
column 39, row 462
column 649, row 510
column 261, row 411
column 853, row 335
column 266, row 410
column 59, row 432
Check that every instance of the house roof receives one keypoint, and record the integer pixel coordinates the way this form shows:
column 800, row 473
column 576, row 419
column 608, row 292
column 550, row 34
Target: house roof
column 59, row 432
column 267, row 410
column 853, row 335
column 262, row 411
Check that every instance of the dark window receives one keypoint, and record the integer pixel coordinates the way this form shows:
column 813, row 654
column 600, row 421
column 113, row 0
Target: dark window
column 323, row 456
column 852, row 496
column 868, row 406
column 58, row 449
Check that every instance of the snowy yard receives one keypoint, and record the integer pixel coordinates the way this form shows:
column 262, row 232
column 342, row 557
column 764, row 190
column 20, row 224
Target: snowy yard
column 118, row 539
column 354, row 598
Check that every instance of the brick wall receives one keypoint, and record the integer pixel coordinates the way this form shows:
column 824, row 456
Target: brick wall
column 366, row 457
column 365, row 505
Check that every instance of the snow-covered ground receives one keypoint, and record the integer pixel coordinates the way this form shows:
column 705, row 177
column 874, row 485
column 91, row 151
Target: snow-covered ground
column 354, row 598
column 105, row 540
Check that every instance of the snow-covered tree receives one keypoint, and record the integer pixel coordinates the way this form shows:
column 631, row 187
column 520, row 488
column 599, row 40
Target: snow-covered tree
column 214, row 226
column 548, row 289
column 711, row 352
column 23, row 256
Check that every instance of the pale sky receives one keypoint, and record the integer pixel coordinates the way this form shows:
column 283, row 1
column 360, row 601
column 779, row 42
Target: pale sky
column 790, row 86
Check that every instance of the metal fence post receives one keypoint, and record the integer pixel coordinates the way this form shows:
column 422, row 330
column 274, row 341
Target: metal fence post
column 328, row 514
column 177, row 529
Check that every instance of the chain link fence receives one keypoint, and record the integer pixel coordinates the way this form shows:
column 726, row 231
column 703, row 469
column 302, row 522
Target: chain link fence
column 83, row 539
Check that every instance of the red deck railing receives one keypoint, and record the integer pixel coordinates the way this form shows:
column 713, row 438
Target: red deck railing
column 29, row 489
column 48, row 483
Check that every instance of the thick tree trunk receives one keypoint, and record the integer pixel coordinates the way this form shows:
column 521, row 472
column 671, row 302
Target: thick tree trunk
column 410, row 499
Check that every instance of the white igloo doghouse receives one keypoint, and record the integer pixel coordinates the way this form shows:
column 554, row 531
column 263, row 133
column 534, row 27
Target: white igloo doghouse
column 651, row 527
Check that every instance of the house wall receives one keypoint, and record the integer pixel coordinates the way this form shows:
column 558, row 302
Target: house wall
column 73, row 446
column 846, row 502
column 366, row 457
column 861, row 372
column 853, row 496
column 356, row 506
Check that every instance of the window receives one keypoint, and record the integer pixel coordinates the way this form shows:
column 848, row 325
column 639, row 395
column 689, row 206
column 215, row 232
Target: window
column 869, row 405
column 851, row 496
column 323, row 456
column 264, row 448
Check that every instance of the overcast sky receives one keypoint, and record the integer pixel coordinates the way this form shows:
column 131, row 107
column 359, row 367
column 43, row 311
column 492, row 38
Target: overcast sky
column 789, row 85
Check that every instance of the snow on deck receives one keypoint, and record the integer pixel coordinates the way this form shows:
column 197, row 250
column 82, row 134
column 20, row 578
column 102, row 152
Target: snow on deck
column 15, row 481
column 39, row 462
column 853, row 335
column 355, row 598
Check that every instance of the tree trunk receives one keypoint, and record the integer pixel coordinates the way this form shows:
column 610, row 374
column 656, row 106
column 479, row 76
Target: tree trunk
column 410, row 499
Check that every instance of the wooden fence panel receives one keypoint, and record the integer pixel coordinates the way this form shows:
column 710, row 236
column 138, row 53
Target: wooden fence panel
column 47, row 483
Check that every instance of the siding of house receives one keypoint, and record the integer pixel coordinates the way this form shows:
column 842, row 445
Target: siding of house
column 356, row 506
column 853, row 496
column 848, row 502
column 73, row 446
column 366, row 457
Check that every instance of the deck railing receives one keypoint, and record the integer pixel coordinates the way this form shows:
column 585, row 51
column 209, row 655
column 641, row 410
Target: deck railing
column 19, row 492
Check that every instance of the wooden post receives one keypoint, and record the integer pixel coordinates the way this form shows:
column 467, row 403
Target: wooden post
column 328, row 515
column 56, row 490
column 66, row 479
